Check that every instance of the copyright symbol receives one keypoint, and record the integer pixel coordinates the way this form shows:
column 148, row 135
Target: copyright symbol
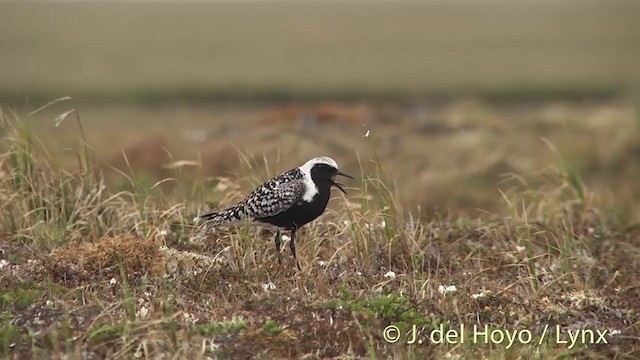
column 391, row 334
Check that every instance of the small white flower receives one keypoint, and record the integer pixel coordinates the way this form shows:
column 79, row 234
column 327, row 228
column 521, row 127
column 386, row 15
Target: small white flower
column 143, row 312
column 482, row 294
column 3, row 263
column 189, row 318
column 268, row 286
column 390, row 275
column 590, row 230
column 447, row 289
column 49, row 303
column 113, row 281
column 322, row 263
column 520, row 248
column 359, row 273
column 165, row 232
column 383, row 224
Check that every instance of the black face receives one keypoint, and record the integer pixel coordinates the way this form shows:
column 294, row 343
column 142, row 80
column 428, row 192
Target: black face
column 325, row 174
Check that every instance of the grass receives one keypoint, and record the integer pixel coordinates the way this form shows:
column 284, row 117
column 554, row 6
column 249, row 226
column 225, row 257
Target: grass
column 112, row 273
column 287, row 50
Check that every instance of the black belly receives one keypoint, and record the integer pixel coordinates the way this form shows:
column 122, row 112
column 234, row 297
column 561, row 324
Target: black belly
column 299, row 214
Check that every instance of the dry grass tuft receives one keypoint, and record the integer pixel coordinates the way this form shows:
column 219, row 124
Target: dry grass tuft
column 102, row 259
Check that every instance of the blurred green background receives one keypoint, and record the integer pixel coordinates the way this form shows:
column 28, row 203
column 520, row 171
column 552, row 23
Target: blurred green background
column 252, row 48
column 457, row 92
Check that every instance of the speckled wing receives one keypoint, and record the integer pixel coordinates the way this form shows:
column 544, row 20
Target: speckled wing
column 270, row 201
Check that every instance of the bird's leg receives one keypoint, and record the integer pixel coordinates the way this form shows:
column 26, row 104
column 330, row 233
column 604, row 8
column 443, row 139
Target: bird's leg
column 278, row 238
column 292, row 245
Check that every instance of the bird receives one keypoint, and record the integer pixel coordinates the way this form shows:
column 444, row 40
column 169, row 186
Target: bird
column 287, row 201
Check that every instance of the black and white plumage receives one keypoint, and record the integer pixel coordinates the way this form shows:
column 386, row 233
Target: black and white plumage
column 287, row 201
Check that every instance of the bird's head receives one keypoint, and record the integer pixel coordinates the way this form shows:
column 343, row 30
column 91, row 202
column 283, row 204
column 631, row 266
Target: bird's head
column 324, row 170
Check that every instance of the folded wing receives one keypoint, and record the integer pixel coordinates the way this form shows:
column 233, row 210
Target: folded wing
column 266, row 201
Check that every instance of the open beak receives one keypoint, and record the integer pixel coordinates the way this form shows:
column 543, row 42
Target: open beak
column 338, row 185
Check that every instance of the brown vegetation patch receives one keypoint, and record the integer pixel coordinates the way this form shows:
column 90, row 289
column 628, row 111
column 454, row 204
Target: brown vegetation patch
column 307, row 115
column 102, row 259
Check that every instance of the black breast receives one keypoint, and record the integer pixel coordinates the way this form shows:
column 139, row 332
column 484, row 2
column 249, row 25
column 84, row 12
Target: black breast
column 301, row 212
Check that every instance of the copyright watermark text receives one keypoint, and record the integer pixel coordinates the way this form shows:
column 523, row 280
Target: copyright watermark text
column 478, row 334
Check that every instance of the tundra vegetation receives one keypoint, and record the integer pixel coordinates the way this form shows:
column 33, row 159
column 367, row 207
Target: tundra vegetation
column 96, row 265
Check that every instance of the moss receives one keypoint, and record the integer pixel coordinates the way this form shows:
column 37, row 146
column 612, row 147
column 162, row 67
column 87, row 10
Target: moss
column 218, row 328
column 19, row 298
column 270, row 327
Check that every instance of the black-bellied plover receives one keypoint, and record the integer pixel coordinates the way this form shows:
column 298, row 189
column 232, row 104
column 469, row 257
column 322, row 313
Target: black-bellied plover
column 287, row 201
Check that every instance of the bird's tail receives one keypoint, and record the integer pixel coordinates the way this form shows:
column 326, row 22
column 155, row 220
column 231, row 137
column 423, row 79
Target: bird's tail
column 228, row 216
